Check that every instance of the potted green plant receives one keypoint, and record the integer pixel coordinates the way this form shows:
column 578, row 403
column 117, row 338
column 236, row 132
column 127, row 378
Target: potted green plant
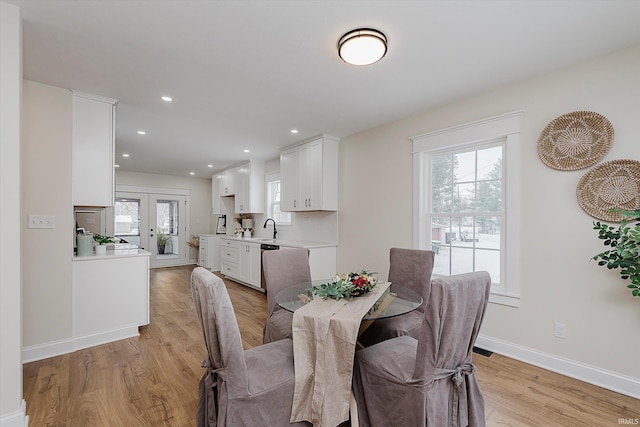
column 103, row 241
column 162, row 240
column 624, row 241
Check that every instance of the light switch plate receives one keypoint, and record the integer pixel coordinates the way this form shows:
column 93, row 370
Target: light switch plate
column 41, row 221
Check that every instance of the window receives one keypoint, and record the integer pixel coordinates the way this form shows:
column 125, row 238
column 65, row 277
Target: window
column 273, row 202
column 127, row 217
column 467, row 201
column 466, row 210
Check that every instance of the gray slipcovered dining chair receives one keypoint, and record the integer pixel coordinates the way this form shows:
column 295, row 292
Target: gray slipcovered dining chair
column 239, row 388
column 410, row 268
column 282, row 268
column 429, row 381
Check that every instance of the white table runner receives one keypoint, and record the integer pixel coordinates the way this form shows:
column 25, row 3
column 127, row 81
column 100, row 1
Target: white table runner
column 325, row 333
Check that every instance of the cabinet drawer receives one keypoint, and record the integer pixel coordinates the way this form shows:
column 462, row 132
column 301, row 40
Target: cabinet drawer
column 230, row 254
column 230, row 269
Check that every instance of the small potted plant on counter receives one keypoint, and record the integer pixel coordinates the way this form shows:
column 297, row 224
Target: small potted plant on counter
column 103, row 241
column 162, row 240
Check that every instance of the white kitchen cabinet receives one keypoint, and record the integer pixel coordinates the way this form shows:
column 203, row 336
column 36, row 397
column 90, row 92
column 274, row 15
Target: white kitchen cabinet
column 216, row 205
column 209, row 251
column 250, row 263
column 110, row 297
column 230, row 258
column 245, row 182
column 309, row 175
column 222, row 184
column 289, row 179
column 249, row 187
column 93, row 150
column 227, row 182
column 241, row 261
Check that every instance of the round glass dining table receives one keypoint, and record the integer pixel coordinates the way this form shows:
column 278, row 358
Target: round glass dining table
column 396, row 301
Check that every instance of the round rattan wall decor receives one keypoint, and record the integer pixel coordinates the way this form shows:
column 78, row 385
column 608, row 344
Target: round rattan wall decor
column 575, row 140
column 610, row 185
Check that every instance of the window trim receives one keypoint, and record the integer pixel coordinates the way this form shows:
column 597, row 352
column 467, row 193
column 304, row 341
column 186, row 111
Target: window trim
column 269, row 178
column 506, row 126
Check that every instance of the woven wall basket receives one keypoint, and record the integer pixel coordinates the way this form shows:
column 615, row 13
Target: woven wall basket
column 610, row 185
column 575, row 140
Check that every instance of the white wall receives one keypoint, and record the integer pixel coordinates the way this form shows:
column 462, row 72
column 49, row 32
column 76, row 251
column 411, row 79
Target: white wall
column 200, row 217
column 558, row 281
column 46, row 174
column 12, row 410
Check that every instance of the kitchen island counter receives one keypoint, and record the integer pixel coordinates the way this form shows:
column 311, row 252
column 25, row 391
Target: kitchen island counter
column 110, row 296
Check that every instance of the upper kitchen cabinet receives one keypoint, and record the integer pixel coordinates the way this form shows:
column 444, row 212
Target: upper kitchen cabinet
column 245, row 182
column 93, row 150
column 309, row 175
column 227, row 182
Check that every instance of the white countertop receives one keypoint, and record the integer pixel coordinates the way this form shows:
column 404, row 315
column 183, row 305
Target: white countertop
column 119, row 250
column 281, row 242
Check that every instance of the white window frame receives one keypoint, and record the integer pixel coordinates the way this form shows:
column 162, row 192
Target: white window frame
column 268, row 179
column 473, row 134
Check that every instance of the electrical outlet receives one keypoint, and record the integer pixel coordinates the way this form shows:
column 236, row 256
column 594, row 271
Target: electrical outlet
column 41, row 221
column 560, row 330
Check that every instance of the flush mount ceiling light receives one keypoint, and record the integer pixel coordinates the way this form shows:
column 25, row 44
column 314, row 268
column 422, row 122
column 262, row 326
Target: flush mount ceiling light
column 363, row 46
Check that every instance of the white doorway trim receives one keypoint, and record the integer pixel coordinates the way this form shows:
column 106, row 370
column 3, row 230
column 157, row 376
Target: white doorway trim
column 149, row 192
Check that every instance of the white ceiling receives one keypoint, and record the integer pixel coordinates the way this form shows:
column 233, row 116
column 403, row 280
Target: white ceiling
column 243, row 73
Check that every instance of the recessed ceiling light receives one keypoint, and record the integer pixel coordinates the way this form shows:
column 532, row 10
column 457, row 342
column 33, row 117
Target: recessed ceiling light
column 141, row 132
column 125, row 155
column 192, row 173
column 167, row 98
column 363, row 46
column 117, row 166
column 294, row 130
column 246, row 151
column 209, row 166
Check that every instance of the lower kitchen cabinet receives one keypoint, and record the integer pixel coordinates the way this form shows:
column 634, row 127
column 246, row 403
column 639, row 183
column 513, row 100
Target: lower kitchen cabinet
column 209, row 251
column 250, row 264
column 241, row 261
column 110, row 298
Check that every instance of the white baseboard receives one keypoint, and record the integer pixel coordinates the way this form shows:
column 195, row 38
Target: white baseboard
column 43, row 351
column 17, row 418
column 56, row 348
column 99, row 338
column 590, row 374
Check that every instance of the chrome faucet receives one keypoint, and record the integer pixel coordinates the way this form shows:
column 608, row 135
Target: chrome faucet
column 274, row 227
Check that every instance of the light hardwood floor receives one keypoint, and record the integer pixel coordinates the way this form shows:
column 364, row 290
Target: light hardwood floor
column 152, row 380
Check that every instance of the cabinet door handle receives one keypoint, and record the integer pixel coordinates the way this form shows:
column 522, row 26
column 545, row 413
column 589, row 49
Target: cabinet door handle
column 294, row 203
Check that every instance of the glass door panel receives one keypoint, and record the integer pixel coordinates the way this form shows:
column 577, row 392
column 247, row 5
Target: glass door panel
column 131, row 218
column 167, row 230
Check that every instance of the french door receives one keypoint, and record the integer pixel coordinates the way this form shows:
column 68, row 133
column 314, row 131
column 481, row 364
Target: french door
column 167, row 230
column 154, row 222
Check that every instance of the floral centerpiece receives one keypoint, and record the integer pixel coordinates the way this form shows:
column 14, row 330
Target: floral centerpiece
column 346, row 285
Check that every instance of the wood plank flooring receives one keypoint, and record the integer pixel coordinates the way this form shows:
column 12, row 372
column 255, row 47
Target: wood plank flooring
column 152, row 380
